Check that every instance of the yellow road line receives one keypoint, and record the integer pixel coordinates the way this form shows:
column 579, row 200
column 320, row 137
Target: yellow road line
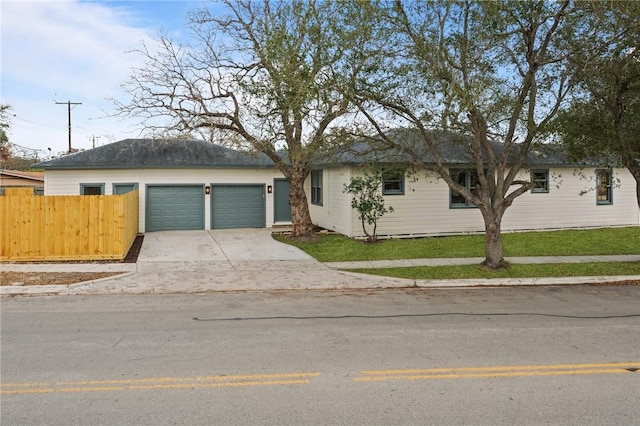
column 187, row 379
column 503, row 368
column 497, row 371
column 301, row 378
column 159, row 383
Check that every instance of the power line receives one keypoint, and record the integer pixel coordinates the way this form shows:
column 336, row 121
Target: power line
column 31, row 122
column 68, row 104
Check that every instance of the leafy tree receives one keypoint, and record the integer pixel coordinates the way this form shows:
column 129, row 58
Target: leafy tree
column 5, row 148
column 367, row 200
column 267, row 76
column 495, row 71
column 602, row 123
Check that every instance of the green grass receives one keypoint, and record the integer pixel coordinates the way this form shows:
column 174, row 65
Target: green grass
column 608, row 241
column 515, row 271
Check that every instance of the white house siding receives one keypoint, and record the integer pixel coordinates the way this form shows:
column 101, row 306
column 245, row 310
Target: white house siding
column 335, row 213
column 424, row 207
column 67, row 182
column 571, row 203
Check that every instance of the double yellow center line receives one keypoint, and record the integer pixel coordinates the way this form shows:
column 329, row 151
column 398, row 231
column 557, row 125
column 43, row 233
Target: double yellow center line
column 504, row 371
column 154, row 383
column 302, row 378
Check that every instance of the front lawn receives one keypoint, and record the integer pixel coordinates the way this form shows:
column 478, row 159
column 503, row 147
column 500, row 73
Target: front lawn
column 608, row 241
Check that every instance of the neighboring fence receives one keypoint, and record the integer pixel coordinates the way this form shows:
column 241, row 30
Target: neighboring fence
column 37, row 190
column 69, row 227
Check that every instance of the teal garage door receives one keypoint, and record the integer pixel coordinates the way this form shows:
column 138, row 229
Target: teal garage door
column 174, row 208
column 237, row 206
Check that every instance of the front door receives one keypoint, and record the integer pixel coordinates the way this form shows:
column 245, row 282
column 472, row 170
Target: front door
column 281, row 202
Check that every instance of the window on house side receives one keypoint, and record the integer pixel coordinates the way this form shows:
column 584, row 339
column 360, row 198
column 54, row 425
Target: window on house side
column 393, row 184
column 316, row 187
column 467, row 178
column 539, row 181
column 604, row 188
column 92, row 189
column 123, row 188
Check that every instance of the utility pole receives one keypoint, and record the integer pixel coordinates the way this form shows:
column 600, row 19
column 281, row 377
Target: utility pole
column 94, row 140
column 68, row 104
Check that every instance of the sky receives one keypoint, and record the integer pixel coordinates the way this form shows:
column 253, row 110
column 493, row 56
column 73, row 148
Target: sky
column 55, row 51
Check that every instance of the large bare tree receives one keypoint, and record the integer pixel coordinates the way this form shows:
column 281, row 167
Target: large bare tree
column 265, row 75
column 495, row 71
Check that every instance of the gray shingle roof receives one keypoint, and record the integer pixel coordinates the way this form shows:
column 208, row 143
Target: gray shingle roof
column 453, row 149
column 172, row 153
column 158, row 153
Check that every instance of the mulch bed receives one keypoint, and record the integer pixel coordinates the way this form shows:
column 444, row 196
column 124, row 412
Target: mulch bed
column 9, row 278
column 134, row 251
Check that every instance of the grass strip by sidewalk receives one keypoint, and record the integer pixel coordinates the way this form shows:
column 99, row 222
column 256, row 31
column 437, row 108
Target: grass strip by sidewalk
column 515, row 271
column 607, row 241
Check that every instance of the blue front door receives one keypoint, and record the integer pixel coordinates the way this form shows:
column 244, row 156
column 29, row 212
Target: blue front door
column 281, row 202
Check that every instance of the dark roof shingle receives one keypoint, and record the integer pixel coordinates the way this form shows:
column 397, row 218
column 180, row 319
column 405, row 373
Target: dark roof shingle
column 411, row 148
column 157, row 153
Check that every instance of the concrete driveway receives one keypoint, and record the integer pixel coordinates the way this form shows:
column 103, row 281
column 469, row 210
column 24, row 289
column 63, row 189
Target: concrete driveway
column 231, row 246
column 228, row 260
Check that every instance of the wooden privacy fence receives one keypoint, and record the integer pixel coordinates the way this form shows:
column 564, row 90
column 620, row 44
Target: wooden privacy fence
column 68, row 227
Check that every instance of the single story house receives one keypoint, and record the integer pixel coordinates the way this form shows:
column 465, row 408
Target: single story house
column 16, row 178
column 564, row 194
column 188, row 184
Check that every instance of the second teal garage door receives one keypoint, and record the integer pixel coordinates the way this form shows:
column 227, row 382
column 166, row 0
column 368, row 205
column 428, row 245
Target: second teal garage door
column 237, row 206
column 174, row 208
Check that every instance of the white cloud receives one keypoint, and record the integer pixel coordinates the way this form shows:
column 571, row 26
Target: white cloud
column 60, row 51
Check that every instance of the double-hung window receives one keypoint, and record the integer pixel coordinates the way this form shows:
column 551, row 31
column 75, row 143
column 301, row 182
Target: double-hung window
column 393, row 183
column 467, row 178
column 604, row 187
column 540, row 181
column 316, row 187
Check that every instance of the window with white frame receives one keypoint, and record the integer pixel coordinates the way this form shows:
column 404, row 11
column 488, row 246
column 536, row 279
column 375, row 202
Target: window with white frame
column 604, row 187
column 316, row 187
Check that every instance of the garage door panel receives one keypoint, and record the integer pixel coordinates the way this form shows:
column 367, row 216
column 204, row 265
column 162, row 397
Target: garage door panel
column 237, row 206
column 174, row 208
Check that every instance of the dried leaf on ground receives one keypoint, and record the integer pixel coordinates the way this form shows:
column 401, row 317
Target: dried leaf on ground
column 9, row 278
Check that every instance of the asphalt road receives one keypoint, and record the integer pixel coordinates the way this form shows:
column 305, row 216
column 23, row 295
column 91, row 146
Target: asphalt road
column 526, row 356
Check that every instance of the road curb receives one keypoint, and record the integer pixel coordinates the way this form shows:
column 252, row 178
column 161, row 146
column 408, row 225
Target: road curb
column 97, row 287
column 515, row 282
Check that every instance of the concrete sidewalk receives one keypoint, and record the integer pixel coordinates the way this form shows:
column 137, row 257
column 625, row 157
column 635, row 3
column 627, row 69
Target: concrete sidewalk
column 478, row 260
column 250, row 260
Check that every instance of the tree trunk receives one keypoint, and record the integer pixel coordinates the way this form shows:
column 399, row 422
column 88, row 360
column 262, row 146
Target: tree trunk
column 302, row 226
column 493, row 240
column 635, row 172
column 638, row 191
